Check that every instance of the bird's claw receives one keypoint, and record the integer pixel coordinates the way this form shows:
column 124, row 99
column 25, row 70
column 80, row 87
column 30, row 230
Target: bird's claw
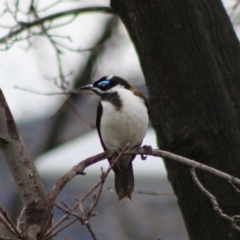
column 148, row 148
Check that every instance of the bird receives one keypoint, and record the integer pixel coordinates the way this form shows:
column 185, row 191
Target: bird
column 122, row 118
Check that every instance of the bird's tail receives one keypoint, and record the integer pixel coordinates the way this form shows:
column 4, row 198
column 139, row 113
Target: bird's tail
column 124, row 179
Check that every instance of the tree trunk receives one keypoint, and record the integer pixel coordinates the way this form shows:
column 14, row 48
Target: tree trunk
column 190, row 57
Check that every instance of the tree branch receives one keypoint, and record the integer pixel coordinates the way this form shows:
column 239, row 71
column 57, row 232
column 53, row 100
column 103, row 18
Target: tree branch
column 233, row 220
column 79, row 168
column 85, row 213
column 25, row 175
column 23, row 171
column 27, row 25
column 154, row 193
column 5, row 220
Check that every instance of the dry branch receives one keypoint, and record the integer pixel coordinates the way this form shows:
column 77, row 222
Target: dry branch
column 154, row 193
column 79, row 168
column 22, row 26
column 23, row 171
column 76, row 170
column 85, row 213
column 7, row 222
column 233, row 220
column 30, row 187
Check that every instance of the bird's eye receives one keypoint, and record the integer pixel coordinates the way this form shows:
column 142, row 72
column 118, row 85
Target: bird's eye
column 104, row 83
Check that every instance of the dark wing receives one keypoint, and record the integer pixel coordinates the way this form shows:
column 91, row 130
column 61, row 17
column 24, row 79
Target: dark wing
column 98, row 122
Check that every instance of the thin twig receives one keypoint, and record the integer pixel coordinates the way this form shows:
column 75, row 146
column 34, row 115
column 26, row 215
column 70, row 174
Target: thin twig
column 54, row 4
column 22, row 26
column 234, row 187
column 104, row 176
column 59, row 230
column 111, row 189
column 91, row 231
column 154, row 193
column 61, row 220
column 68, row 211
column 5, row 238
column 215, row 204
column 11, row 225
column 40, row 93
column 46, row 227
column 20, row 217
column 76, row 170
column 67, row 93
column 234, row 8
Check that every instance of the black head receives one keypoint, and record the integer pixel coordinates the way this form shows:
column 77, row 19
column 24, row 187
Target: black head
column 107, row 84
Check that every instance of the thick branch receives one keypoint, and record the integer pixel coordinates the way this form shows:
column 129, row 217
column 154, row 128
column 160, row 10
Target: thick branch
column 26, row 25
column 23, row 171
column 79, row 168
column 30, row 187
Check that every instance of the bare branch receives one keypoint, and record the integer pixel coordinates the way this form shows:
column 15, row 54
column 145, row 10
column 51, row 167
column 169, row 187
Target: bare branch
column 39, row 93
column 5, row 238
column 8, row 223
column 237, row 190
column 19, row 218
column 91, row 231
column 104, row 176
column 76, row 170
column 76, row 11
column 25, row 175
column 79, row 168
column 54, row 4
column 215, row 204
column 155, row 193
column 87, row 213
column 66, row 93
column 50, row 231
column 234, row 7
column 48, row 225
column 17, row 157
column 50, row 235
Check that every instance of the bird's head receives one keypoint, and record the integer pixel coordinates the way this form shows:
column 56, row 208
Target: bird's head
column 107, row 85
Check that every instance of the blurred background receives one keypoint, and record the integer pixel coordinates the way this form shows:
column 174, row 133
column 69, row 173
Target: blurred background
column 79, row 50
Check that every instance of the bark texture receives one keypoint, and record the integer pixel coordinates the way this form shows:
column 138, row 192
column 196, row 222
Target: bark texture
column 190, row 57
column 35, row 201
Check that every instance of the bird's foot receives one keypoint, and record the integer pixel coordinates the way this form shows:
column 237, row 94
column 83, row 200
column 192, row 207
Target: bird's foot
column 148, row 148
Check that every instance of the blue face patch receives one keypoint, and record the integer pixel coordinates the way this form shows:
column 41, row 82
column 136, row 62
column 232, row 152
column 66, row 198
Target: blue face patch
column 104, row 83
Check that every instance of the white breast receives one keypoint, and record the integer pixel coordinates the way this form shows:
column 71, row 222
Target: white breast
column 127, row 125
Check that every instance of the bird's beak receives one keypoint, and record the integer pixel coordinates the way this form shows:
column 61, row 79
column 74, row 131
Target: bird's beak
column 87, row 87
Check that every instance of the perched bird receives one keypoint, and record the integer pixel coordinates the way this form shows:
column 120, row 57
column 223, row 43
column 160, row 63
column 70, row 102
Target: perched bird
column 122, row 118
